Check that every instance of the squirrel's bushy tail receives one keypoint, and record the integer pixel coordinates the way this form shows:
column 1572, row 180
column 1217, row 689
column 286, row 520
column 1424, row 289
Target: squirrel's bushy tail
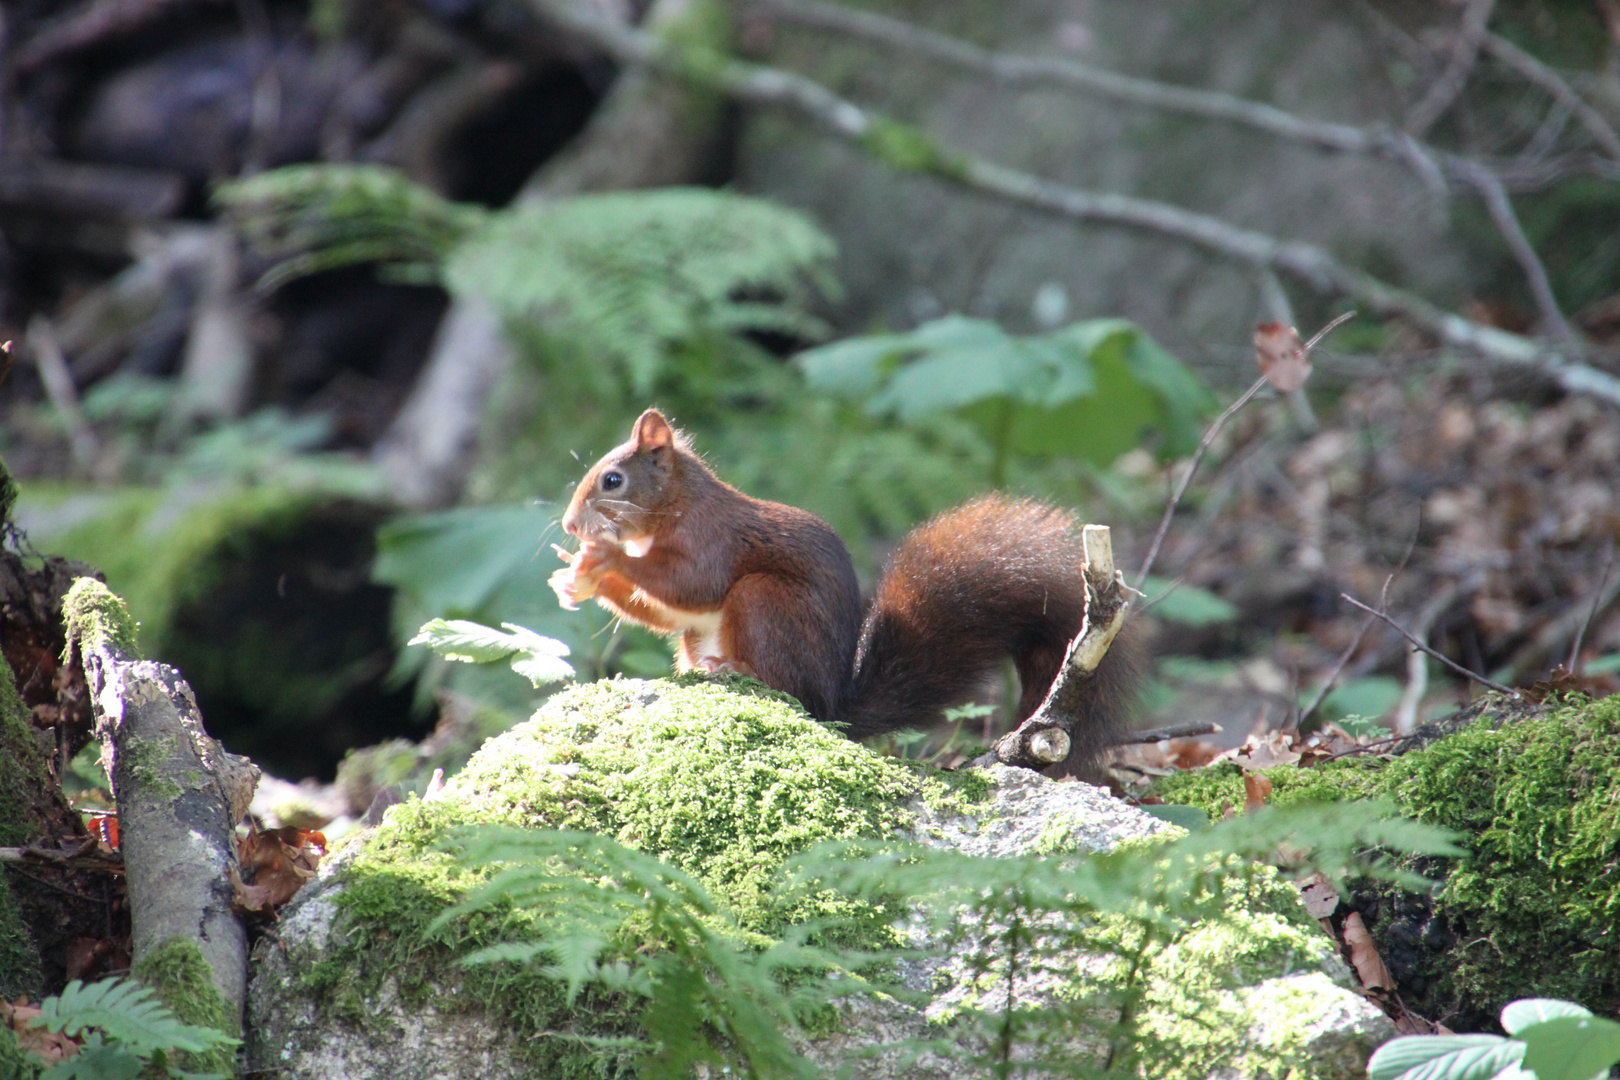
column 996, row 577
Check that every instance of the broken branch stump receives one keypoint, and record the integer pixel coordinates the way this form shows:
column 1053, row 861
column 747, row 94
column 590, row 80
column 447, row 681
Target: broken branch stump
column 1045, row 737
column 179, row 794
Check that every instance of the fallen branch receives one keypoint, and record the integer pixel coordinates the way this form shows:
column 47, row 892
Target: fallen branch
column 179, row 794
column 1452, row 664
column 1173, row 731
column 906, row 147
column 1534, row 71
column 1046, row 736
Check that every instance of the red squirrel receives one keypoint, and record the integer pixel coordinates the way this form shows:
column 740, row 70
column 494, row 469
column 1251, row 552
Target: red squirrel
column 769, row 590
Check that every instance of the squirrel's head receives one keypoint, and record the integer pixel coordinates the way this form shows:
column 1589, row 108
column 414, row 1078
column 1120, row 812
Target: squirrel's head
column 625, row 494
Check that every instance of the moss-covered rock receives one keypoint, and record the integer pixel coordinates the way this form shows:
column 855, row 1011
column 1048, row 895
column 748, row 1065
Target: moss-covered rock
column 725, row 780
column 1531, row 912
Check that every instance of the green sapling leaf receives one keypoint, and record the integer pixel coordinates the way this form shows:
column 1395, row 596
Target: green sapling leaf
column 1571, row 1047
column 1444, row 1057
column 1527, row 1012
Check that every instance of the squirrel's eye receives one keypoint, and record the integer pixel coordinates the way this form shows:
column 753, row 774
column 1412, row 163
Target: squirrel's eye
column 612, row 480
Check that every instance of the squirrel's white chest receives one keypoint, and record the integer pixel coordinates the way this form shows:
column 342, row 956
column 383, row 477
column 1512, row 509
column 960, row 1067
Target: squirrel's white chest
column 703, row 626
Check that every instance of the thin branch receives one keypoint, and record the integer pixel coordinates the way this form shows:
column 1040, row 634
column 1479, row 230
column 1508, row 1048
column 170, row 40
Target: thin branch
column 1417, row 667
column 909, row 148
column 1186, row 477
column 1464, row 52
column 1597, row 600
column 1534, row 71
column 1500, row 208
column 1174, row 731
column 53, row 372
column 1436, row 168
column 1452, row 664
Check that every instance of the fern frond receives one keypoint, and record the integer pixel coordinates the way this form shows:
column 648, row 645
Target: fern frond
column 629, row 274
column 129, row 1014
column 319, row 217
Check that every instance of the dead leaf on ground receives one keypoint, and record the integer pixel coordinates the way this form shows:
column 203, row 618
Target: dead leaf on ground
column 1256, row 790
column 1281, row 356
column 275, row 865
column 50, row 1046
column 1321, row 898
column 1364, row 955
column 1263, row 751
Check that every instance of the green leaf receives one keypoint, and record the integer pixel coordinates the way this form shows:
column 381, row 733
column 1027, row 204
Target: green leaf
column 1571, row 1047
column 535, row 657
column 1444, row 1057
column 1188, row 817
column 1372, row 696
column 1527, row 1012
column 470, row 642
column 632, row 275
column 127, row 1012
column 98, row 1060
column 1187, row 604
column 1092, row 390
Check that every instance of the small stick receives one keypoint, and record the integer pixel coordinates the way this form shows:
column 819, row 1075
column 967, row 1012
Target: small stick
column 53, row 372
column 1446, row 660
column 1174, row 731
column 1597, row 601
column 1203, row 448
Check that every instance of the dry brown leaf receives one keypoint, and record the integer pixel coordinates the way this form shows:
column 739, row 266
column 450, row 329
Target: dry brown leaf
column 1364, row 955
column 1256, row 790
column 1321, row 898
column 275, row 865
column 1281, row 356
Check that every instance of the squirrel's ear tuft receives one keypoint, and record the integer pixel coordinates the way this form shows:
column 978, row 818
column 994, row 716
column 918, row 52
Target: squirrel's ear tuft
column 653, row 432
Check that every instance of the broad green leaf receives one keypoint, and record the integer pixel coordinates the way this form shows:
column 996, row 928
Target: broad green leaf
column 470, row 642
column 1091, row 390
column 1371, row 696
column 1527, row 1012
column 1571, row 1047
column 1188, row 817
column 1444, row 1057
column 535, row 657
column 1187, row 604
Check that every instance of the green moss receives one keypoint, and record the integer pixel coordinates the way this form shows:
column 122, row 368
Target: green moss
column 907, row 147
column 724, row 778
column 96, row 618
column 160, row 549
column 180, row 976
column 1534, row 906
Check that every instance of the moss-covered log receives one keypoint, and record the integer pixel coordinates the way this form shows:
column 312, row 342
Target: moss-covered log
column 1532, row 910
column 179, row 797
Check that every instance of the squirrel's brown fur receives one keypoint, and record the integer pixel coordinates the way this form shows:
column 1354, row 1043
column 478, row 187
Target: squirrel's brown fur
column 768, row 589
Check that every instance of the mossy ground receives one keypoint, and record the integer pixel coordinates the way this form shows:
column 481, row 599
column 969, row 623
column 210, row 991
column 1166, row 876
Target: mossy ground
column 725, row 781
column 1533, row 907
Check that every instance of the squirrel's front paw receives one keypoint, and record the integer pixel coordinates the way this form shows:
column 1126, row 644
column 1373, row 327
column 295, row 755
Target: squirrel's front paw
column 572, row 585
column 719, row 665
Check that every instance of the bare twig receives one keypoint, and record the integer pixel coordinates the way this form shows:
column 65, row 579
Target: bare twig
column 908, row 148
column 1186, row 477
column 1344, row 657
column 1417, row 666
column 1173, row 731
column 1534, row 71
column 1464, row 52
column 1500, row 208
column 1452, row 664
column 1597, row 600
column 53, row 372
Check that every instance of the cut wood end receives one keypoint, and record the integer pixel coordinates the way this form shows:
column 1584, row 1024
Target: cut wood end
column 1098, row 544
column 1049, row 746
